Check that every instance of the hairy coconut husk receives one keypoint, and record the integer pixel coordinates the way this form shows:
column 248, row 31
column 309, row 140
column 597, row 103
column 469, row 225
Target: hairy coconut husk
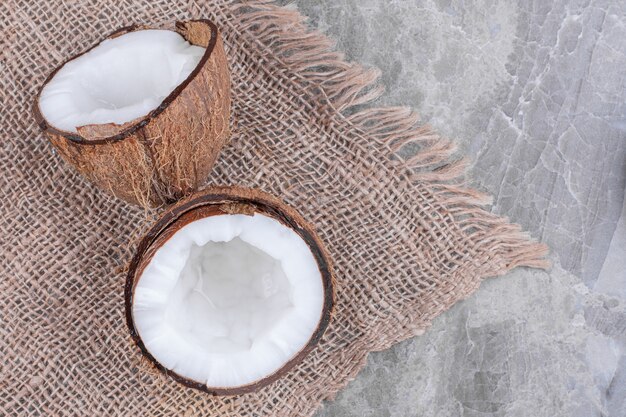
column 158, row 158
column 229, row 200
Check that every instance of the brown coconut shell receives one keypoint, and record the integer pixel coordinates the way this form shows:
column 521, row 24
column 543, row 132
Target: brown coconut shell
column 168, row 153
column 229, row 200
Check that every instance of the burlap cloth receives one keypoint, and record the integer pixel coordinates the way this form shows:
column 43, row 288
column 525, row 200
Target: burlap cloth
column 407, row 239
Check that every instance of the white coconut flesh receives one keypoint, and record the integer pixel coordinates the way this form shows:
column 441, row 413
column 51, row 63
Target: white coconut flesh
column 119, row 80
column 229, row 299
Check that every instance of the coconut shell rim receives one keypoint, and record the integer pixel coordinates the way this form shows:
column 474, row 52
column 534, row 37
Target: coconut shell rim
column 77, row 138
column 240, row 196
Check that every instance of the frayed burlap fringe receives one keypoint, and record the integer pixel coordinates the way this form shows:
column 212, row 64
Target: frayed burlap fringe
column 408, row 237
column 347, row 86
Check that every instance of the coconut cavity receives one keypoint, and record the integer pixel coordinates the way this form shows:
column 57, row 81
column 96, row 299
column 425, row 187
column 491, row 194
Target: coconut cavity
column 238, row 290
column 229, row 299
column 119, row 80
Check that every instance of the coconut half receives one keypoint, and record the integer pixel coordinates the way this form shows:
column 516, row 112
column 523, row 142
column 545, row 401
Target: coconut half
column 229, row 290
column 144, row 113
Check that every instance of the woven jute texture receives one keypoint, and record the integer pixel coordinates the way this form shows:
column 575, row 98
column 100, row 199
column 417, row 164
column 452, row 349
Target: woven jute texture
column 407, row 238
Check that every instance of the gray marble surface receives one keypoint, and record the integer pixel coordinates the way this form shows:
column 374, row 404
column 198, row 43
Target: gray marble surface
column 535, row 93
